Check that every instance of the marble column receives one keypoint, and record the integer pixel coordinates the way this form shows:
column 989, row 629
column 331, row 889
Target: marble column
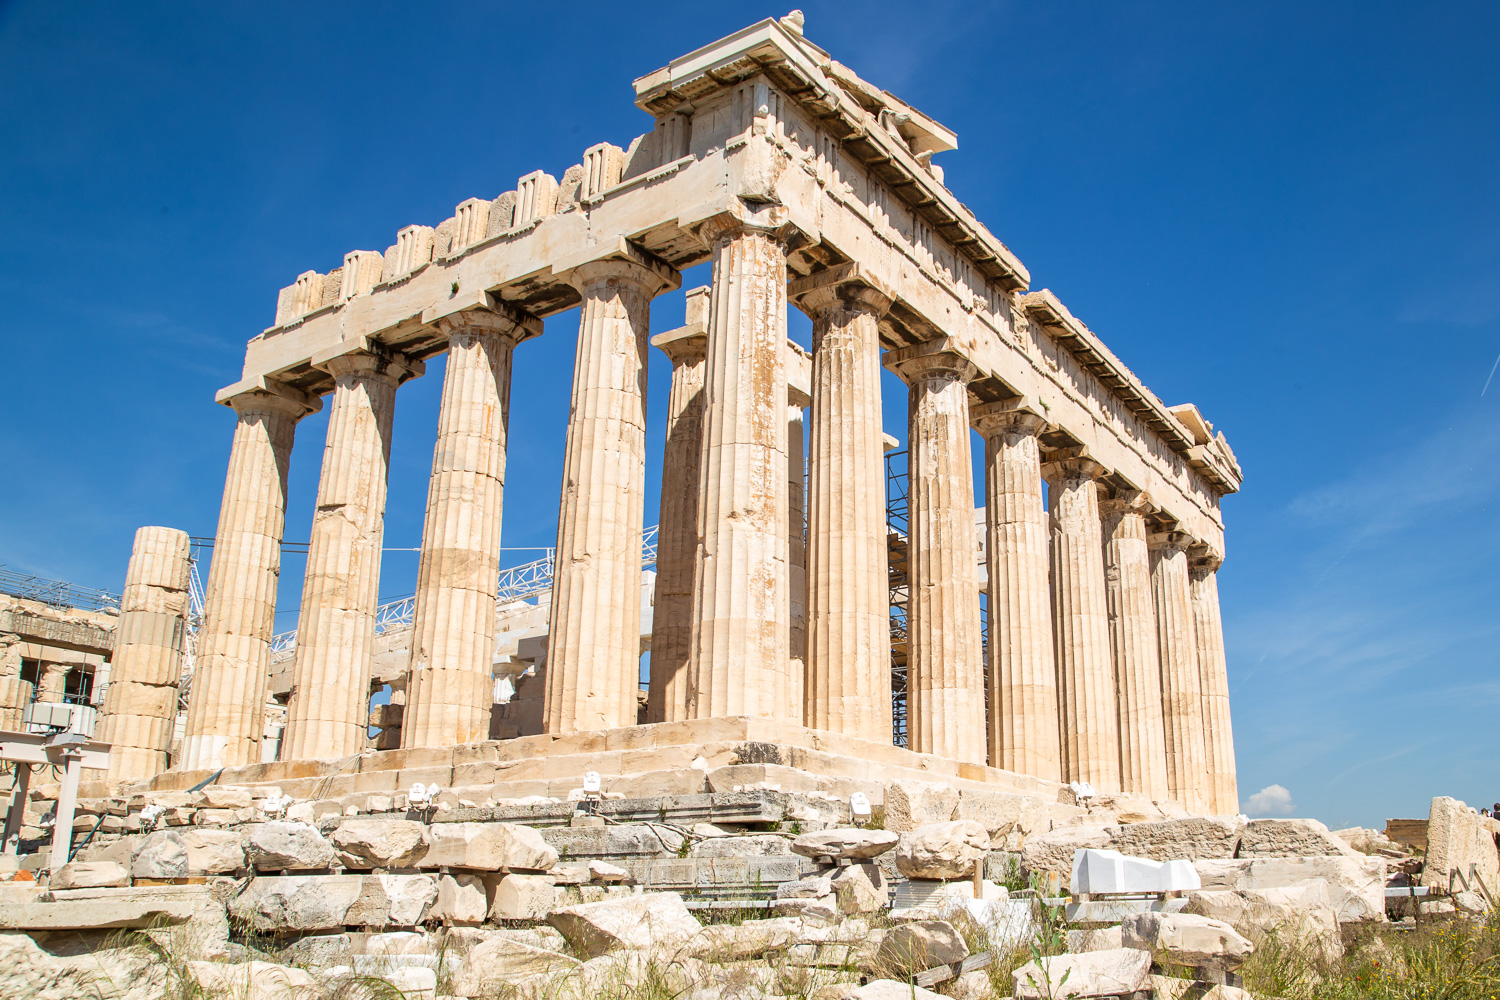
column 594, row 645
column 945, row 665
column 1132, row 633
column 450, row 683
column 677, row 523
column 330, row 704
column 140, row 707
column 1080, row 617
column 226, row 703
column 741, row 591
column 796, row 544
column 1213, row 673
column 1023, row 733
column 849, row 642
column 1181, row 685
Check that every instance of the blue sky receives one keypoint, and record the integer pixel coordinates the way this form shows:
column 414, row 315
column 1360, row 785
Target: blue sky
column 1285, row 213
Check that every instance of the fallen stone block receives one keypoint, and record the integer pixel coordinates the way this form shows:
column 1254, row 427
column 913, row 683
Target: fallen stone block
column 1167, row 988
column 942, row 850
column 884, row 989
column 303, row 903
column 1191, row 839
column 379, row 843
column 849, row 842
column 487, row 847
column 1458, row 839
column 811, row 887
column 498, row 965
column 922, row 944
column 250, row 980
column 283, row 846
column 1009, row 817
column 910, row 804
column 1290, row 838
column 522, row 897
column 1185, row 939
column 163, row 855
column 1356, row 886
column 95, row 914
column 461, row 901
column 754, row 845
column 657, row 919
column 222, row 797
column 1299, row 915
column 1114, row 973
column 821, row 909
column 751, row 939
column 1097, row 939
column 90, row 875
column 861, row 889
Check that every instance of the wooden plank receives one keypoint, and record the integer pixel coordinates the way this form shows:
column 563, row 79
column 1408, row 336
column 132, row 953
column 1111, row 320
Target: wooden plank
column 943, row 973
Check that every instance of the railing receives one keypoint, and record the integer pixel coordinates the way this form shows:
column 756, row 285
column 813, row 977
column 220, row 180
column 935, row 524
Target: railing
column 515, row 584
column 57, row 593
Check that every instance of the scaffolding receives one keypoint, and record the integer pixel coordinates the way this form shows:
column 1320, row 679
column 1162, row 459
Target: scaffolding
column 56, row 593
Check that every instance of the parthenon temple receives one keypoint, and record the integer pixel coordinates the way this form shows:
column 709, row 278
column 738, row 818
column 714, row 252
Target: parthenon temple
column 1068, row 633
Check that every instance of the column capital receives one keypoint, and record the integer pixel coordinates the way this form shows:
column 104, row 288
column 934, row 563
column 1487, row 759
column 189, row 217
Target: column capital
column 847, row 287
column 1171, row 541
column 1008, row 416
column 1204, row 558
column 374, row 360
column 496, row 317
column 637, row 267
column 740, row 219
column 1071, row 463
column 928, row 361
column 1127, row 502
column 685, row 345
column 259, row 392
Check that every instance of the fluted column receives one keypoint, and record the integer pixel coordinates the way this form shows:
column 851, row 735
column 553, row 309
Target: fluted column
column 1132, row 633
column 1181, row 685
column 1213, row 672
column 140, row 707
column 226, row 703
column 329, row 711
column 742, row 600
column 1080, row 617
column 677, row 524
column 450, row 682
column 849, row 646
column 798, row 578
column 594, row 648
column 945, row 666
column 1023, row 733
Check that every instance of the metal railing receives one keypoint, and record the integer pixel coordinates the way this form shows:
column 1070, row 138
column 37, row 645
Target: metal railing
column 57, row 593
column 516, row 583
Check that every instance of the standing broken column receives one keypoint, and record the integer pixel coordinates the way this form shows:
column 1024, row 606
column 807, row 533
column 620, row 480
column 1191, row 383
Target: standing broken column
column 1132, row 632
column 450, row 681
column 1181, row 686
column 226, row 704
column 677, row 523
column 329, row 711
column 945, row 667
column 742, row 600
column 849, row 646
column 1213, row 673
column 1080, row 616
column 594, row 648
column 140, row 707
column 1023, row 733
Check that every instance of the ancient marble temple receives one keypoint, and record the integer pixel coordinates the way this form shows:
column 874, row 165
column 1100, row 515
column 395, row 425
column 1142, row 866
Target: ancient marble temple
column 806, row 187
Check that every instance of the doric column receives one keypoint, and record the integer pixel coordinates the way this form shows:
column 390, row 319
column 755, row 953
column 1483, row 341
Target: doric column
column 1132, row 633
column 849, row 644
column 140, row 707
column 226, row 703
column 1080, row 620
column 594, row 648
column 329, row 711
column 677, row 524
column 1023, row 734
column 1213, row 673
column 945, row 666
column 1181, row 686
column 742, row 600
column 450, row 684
column 796, row 546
